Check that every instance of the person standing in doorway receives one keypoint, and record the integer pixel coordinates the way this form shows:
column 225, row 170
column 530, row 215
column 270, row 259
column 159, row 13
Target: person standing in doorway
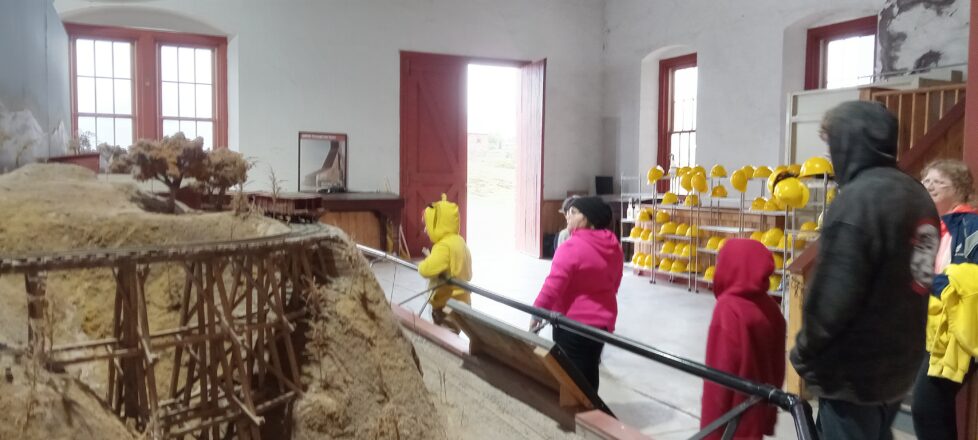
column 862, row 337
column 583, row 282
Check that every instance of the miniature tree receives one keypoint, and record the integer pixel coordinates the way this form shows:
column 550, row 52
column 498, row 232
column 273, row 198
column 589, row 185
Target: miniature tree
column 115, row 158
column 225, row 168
column 169, row 161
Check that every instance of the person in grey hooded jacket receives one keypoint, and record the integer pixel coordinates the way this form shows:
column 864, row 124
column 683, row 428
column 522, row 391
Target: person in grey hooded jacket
column 862, row 335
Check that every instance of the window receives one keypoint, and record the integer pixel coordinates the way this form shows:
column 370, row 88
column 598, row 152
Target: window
column 129, row 84
column 841, row 54
column 677, row 112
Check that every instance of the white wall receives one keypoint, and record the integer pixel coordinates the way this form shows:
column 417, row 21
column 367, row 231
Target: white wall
column 750, row 55
column 33, row 67
column 334, row 66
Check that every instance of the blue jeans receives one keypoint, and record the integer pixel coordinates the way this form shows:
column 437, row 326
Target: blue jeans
column 841, row 420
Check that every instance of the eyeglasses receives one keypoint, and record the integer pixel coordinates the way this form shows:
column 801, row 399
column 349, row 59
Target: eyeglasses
column 935, row 183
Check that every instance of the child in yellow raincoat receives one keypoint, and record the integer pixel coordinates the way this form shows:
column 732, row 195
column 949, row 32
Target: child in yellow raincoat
column 449, row 258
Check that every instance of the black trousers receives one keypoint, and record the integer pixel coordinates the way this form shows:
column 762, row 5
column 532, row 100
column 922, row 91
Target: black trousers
column 584, row 353
column 934, row 410
column 841, row 420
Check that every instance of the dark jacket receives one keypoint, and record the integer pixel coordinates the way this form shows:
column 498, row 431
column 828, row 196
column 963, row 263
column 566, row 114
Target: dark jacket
column 746, row 337
column 862, row 335
column 963, row 228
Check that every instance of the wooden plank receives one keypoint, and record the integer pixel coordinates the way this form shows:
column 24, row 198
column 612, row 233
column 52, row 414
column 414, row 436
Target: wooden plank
column 363, row 227
column 526, row 352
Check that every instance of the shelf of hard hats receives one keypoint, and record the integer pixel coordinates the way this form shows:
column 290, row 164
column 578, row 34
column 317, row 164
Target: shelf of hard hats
column 725, row 229
column 707, row 251
column 673, row 256
column 669, row 273
column 675, row 237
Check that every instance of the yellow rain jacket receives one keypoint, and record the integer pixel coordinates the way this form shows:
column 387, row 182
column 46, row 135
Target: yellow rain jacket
column 449, row 256
column 952, row 324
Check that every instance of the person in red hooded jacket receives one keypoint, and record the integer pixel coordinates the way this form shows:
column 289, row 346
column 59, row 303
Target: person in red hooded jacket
column 746, row 336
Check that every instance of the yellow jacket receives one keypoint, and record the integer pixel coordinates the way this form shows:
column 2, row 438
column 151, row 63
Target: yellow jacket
column 449, row 256
column 952, row 324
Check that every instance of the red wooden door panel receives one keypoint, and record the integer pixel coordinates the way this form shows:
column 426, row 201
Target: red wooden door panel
column 433, row 138
column 529, row 165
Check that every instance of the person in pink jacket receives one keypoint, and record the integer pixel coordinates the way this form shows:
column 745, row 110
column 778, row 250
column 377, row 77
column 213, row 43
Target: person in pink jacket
column 583, row 282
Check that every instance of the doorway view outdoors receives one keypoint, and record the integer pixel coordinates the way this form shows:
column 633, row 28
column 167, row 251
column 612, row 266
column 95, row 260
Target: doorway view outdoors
column 493, row 105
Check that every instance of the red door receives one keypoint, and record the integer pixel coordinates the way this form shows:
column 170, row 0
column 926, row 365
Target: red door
column 433, row 138
column 529, row 164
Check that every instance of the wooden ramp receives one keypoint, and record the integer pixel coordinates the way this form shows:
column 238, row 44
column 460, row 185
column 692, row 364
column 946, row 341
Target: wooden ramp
column 526, row 352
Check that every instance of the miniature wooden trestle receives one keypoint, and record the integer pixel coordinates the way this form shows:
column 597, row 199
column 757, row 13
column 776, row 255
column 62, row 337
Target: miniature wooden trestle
column 235, row 351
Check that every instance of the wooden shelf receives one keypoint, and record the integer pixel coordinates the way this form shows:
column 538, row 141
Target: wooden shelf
column 765, row 213
column 676, row 237
column 725, row 229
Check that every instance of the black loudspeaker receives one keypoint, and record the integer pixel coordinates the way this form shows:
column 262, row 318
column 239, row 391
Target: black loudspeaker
column 604, row 185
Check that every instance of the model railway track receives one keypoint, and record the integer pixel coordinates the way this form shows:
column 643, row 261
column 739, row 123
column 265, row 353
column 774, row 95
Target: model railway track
column 299, row 235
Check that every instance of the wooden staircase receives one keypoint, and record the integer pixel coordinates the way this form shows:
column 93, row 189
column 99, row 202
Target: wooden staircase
column 931, row 127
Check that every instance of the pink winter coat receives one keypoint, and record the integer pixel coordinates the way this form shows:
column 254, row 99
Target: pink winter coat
column 584, row 279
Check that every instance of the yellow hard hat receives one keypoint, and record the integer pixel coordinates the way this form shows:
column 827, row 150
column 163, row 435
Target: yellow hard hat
column 686, row 181
column 718, row 171
column 762, row 172
column 644, row 215
column 665, row 265
column 787, row 240
column 667, row 228
column 794, row 169
column 721, row 243
column 693, row 231
column 681, row 229
column 637, row 257
column 772, row 204
column 775, row 177
column 780, row 168
column 809, row 226
column 655, row 173
column 678, row 266
column 775, row 282
column 772, row 236
column 758, row 204
column 757, row 236
column 830, row 195
column 678, row 250
column 685, row 252
column 668, row 247
column 650, row 261
column 683, row 171
column 699, row 183
column 710, row 272
column 692, row 200
column 815, row 166
column 792, row 192
column 778, row 260
column 636, row 232
column 698, row 169
column 738, row 180
column 718, row 191
column 669, row 198
column 661, row 217
column 647, row 235
column 713, row 243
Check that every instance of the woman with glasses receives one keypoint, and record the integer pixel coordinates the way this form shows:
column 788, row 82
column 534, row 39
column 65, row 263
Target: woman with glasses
column 950, row 185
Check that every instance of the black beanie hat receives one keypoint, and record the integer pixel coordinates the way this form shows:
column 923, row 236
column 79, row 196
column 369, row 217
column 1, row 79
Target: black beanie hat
column 597, row 212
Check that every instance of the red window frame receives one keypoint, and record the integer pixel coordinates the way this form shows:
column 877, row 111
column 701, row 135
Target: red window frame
column 818, row 40
column 147, row 108
column 667, row 69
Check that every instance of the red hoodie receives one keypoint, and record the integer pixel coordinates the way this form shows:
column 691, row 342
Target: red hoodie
column 584, row 279
column 746, row 336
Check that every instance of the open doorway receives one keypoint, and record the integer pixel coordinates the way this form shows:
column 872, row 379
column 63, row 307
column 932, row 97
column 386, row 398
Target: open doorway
column 493, row 112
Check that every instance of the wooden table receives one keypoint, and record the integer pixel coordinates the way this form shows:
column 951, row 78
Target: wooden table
column 344, row 211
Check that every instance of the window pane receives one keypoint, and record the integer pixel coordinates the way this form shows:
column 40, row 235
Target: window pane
column 123, row 132
column 85, row 57
column 103, row 58
column 185, row 64
column 104, row 131
column 206, row 131
column 692, row 113
column 203, row 62
column 86, row 95
column 103, row 95
column 692, row 147
column 204, row 108
column 86, row 127
column 121, row 59
column 678, row 116
column 674, row 148
column 849, row 61
column 189, row 129
column 168, row 63
column 123, row 97
column 170, row 99
column 187, row 101
column 170, row 126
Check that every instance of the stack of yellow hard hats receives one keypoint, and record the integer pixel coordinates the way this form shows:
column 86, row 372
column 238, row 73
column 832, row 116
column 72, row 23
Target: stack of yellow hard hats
column 773, row 204
column 710, row 273
column 787, row 240
column 713, row 243
column 793, row 192
column 636, row 232
column 699, row 183
column 686, row 181
column 699, row 170
column 794, row 169
column 644, row 215
column 678, row 266
column 661, row 217
column 670, row 198
column 718, row 191
column 748, row 171
column 693, row 231
column 665, row 264
column 777, row 176
column 668, row 248
column 668, row 228
column 655, row 173
column 718, row 171
column 816, row 166
column 647, row 235
column 685, row 253
column 681, row 229
column 762, row 172
column 772, row 236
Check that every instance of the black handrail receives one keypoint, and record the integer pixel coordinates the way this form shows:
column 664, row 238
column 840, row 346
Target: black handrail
column 800, row 410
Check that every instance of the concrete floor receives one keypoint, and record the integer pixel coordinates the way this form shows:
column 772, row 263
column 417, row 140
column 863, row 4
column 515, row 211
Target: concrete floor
column 658, row 400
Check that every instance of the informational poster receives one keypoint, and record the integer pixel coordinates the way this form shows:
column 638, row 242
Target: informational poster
column 322, row 162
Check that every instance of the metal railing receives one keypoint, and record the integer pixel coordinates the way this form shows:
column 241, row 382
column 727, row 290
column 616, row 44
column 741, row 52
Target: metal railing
column 800, row 410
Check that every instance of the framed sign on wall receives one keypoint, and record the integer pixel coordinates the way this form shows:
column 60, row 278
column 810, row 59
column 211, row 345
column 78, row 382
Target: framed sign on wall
column 322, row 162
